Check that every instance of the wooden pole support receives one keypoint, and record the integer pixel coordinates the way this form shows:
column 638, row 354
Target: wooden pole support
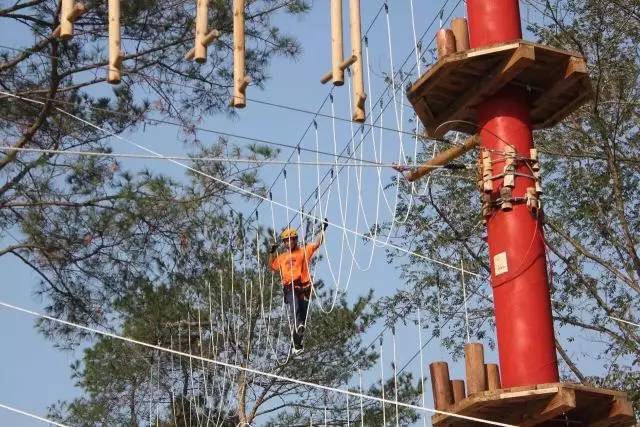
column 493, row 376
column 443, row 158
column 441, row 385
column 240, row 81
column 446, row 42
column 359, row 94
column 343, row 66
column 474, row 363
column 115, row 54
column 457, row 387
column 337, row 52
column 202, row 15
column 66, row 26
column 461, row 33
column 211, row 36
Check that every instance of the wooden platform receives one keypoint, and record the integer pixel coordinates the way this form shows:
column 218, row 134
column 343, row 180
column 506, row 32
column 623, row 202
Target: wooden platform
column 557, row 82
column 556, row 404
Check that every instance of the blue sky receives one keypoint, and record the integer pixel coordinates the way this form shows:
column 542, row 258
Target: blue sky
column 34, row 374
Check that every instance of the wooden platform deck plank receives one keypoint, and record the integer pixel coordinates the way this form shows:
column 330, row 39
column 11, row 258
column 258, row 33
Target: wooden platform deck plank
column 557, row 83
column 540, row 405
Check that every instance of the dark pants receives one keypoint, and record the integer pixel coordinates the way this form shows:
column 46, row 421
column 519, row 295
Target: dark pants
column 298, row 302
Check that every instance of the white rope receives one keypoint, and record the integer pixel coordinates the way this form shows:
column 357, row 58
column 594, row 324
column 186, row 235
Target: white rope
column 395, row 374
column 384, row 414
column 464, row 299
column 30, row 415
column 361, row 163
column 173, row 394
column 424, row 417
column 624, row 321
column 244, row 191
column 246, row 369
column 361, row 400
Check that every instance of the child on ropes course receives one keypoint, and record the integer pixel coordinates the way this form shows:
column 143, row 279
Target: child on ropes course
column 293, row 265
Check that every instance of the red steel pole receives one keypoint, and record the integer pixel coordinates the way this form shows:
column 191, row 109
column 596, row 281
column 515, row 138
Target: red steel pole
column 516, row 245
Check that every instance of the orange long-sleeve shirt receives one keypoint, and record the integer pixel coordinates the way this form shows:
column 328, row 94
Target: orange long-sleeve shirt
column 294, row 265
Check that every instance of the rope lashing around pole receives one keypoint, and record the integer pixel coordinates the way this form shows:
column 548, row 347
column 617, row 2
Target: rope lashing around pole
column 245, row 369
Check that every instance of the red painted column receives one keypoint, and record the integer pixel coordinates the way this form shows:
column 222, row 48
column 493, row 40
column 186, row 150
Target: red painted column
column 520, row 289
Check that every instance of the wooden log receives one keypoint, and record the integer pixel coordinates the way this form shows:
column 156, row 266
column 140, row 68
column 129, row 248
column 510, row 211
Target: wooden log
column 359, row 94
column 443, row 158
column 69, row 12
column 336, row 43
column 66, row 26
column 115, row 54
column 474, row 363
column 200, row 48
column 441, row 385
column 343, row 66
column 240, row 81
column 446, row 42
column 211, row 36
column 493, row 376
column 78, row 10
column 461, row 33
column 457, row 386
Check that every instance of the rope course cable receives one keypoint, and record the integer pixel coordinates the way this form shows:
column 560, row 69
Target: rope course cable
column 357, row 163
column 244, row 369
column 33, row 416
column 247, row 192
column 335, row 168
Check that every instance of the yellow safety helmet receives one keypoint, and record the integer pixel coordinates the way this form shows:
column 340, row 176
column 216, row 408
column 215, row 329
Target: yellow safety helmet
column 289, row 233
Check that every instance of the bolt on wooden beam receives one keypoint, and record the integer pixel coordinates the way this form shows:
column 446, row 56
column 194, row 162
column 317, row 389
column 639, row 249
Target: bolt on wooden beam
column 240, row 80
column 115, row 52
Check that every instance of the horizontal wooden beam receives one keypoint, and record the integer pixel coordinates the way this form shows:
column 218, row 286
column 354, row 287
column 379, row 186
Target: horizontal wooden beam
column 620, row 413
column 211, row 36
column 574, row 73
column 343, row 66
column 441, row 159
column 565, row 110
column 563, row 401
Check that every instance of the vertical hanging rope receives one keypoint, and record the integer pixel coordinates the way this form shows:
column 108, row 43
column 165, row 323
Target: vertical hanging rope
column 384, row 414
column 395, row 375
column 361, row 401
column 464, row 297
column 424, row 417
column 348, row 416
